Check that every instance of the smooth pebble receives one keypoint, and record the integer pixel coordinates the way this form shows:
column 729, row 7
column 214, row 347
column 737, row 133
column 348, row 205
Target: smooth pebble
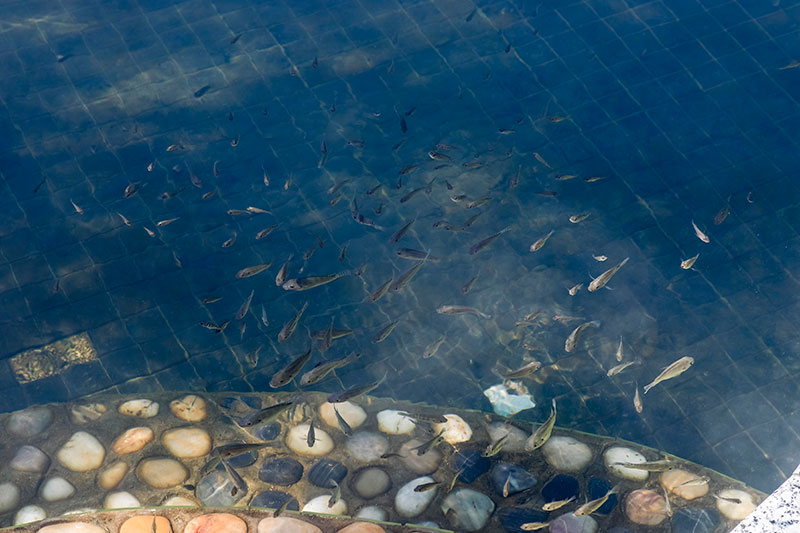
column 674, row 481
column 733, row 510
column 81, row 453
column 187, row 443
column 353, row 414
column 569, row 523
column 455, row 429
column 327, row 473
column 144, row 524
column 161, row 472
column 426, row 463
column 371, row 481
column 282, row 471
column 216, row 523
column 110, row 476
column 132, row 440
column 620, row 454
column 73, row 527
column 409, row 503
column 30, row 421
column 471, row 509
column 191, row 408
column 646, row 507
column 141, row 408
column 297, row 441
column 120, row 500
column 366, row 446
column 87, row 412
column 395, row 422
column 56, row 489
column 567, row 454
column 217, row 490
column 362, row 527
column 180, row 501
column 373, row 512
column 285, row 524
column 28, row 514
column 516, row 437
column 320, row 505
column 29, row 459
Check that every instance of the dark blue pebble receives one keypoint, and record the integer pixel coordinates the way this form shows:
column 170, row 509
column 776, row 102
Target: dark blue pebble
column 243, row 460
column 267, row 432
column 512, row 518
column 520, row 478
column 283, row 471
column 597, row 489
column 694, row 520
column 326, row 472
column 273, row 499
column 561, row 487
column 472, row 462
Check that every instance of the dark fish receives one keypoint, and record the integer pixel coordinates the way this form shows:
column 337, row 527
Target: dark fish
column 211, row 326
column 245, row 306
column 236, row 38
column 311, row 437
column 475, row 248
column 342, row 253
column 415, row 255
column 427, row 486
column 303, row 284
column 723, row 213
column 239, row 484
column 229, row 242
column 378, row 293
column 405, row 277
column 287, row 373
column 266, row 231
column 39, row 186
column 372, row 190
column 323, row 368
column 471, row 15
column 232, row 450
column 460, row 309
column 547, row 194
column 252, row 271
column 344, row 427
column 197, row 182
column 378, row 210
column 352, row 392
column 201, row 91
column 423, row 448
column 411, row 194
column 403, row 125
column 211, row 300
column 411, row 111
column 408, row 170
column 399, row 233
column 382, row 334
column 471, row 220
column 468, row 285
column 290, row 326
column 264, row 416
column 361, row 219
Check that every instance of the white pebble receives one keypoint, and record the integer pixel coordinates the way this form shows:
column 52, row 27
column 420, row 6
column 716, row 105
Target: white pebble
column 74, row 527
column 57, row 488
column 455, row 429
column 297, row 441
column 29, row 459
column 395, row 422
column 409, row 503
column 180, row 501
column 81, row 414
column 320, row 505
column 731, row 509
column 81, row 453
column 141, row 408
column 28, row 514
column 373, row 512
column 516, row 437
column 9, row 496
column 366, row 447
column 619, row 454
column 353, row 414
column 567, row 454
column 120, row 500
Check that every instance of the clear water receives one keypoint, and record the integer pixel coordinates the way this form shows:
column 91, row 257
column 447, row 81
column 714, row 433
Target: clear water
column 682, row 107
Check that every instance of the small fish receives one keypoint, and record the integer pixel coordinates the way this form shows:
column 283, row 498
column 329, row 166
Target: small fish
column 162, row 223
column 675, row 369
column 282, row 508
column 447, row 184
column 686, row 264
column 696, row 482
column 264, row 319
column 700, row 235
column 565, row 318
column 723, row 213
column 572, row 340
column 209, row 194
column 235, row 141
column 289, row 327
column 637, row 401
column 438, row 156
column 458, row 197
column 468, row 285
column 619, row 353
column 201, row 91
column 342, row 253
column 245, row 306
column 257, row 210
column 534, row 526
column 472, row 164
column 211, row 300
column 150, row 166
column 177, row 259
column 211, row 326
column 749, row 197
column 407, row 170
column 130, row 190
column 125, row 220
column 728, row 499
column 556, row 119
column 543, row 432
column 242, row 329
column 552, row 506
column 378, row 293
column 460, row 309
column 541, row 160
column 371, row 191
column 287, row 183
column 547, row 194
column 173, row 147
column 323, row 368
column 252, row 270
column 336, row 333
column 574, row 289
column 471, row 15
column 478, row 203
column 197, row 182
column 432, row 348
column 355, row 143
column 229, row 242
column 406, row 277
column 475, row 248
column 266, row 231
column 287, row 373
column 411, row 194
column 667, row 504
column 662, row 465
column 150, row 232
column 427, row 486
column 76, row 207
column 599, row 258
column 592, row 179
column 535, row 247
column 266, row 179
column 793, row 64
column 252, row 357
column 575, row 219
column 524, row 370
column 399, row 233
column 455, row 478
column 403, row 125
column 495, row 447
column 337, row 494
column 565, row 177
column 505, row 131
column 344, row 427
column 415, row 255
column 378, row 210
column 592, row 506
column 600, row 281
column 507, row 486
column 227, row 451
column 327, row 338
column 304, row 284
column 238, row 212
column 352, row 392
column 514, row 181
column 447, row 226
column 383, row 333
column 280, row 277
column 215, row 169
column 264, row 416
column 361, row 219
column 471, row 220
column 423, row 448
column 311, row 436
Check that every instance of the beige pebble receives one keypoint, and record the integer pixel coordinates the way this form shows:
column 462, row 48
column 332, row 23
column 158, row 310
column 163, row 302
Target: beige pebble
column 455, row 429
column 515, row 442
column 141, row 408
column 180, row 501
column 285, row 524
column 187, row 442
column 111, row 475
column 81, row 453
column 89, row 412
column 72, row 527
column 731, row 509
column 216, row 523
column 362, row 527
column 646, row 507
column 191, row 408
column 132, row 440
column 120, row 500
column 673, row 481
column 353, row 414
column 296, row 440
column 419, row 464
column 395, row 422
column 161, row 472
column 144, row 524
